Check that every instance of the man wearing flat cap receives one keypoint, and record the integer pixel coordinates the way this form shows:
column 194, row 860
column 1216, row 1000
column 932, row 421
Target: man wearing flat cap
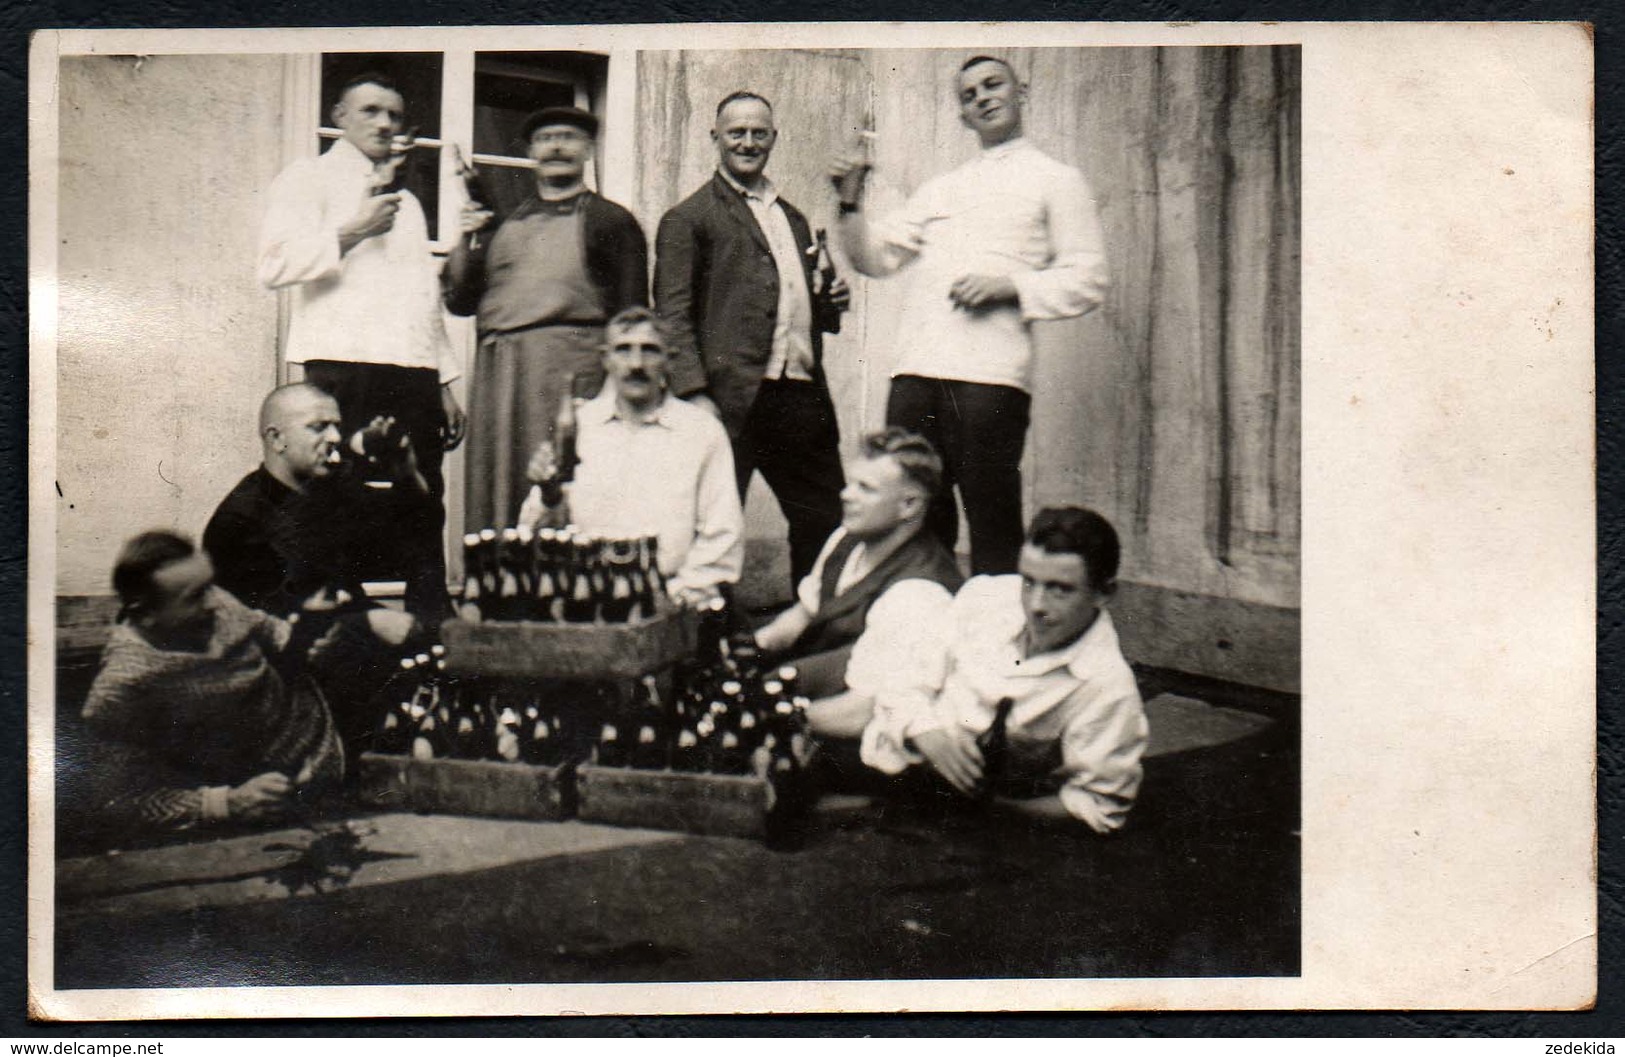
column 541, row 288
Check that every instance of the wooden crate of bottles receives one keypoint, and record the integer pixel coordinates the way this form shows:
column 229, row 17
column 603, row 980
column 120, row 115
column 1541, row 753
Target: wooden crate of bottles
column 501, row 748
column 519, row 648
column 724, row 759
column 718, row 805
column 563, row 605
column 485, row 788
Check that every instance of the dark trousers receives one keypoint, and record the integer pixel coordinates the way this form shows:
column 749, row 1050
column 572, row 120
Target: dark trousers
column 412, row 395
column 790, row 435
column 979, row 430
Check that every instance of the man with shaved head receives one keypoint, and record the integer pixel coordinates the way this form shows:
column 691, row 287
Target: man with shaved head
column 306, row 521
column 299, row 533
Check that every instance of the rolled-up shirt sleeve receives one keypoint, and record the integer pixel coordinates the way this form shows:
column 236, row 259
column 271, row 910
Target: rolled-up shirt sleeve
column 884, row 247
column 900, row 662
column 1101, row 749
column 297, row 244
column 1075, row 280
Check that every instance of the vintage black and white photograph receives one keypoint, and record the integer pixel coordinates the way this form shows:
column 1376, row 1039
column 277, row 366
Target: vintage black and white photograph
column 654, row 512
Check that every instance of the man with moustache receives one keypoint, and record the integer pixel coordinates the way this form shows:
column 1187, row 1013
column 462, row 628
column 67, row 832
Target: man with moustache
column 1007, row 238
column 734, row 282
column 366, row 322
column 650, row 463
column 540, row 288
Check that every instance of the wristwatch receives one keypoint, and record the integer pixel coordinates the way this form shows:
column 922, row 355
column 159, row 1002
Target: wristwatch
column 848, row 207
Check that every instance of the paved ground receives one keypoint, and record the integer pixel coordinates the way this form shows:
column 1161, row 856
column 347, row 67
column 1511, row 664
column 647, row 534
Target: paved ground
column 1203, row 882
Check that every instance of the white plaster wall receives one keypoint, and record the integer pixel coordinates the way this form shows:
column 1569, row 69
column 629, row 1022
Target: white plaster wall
column 166, row 343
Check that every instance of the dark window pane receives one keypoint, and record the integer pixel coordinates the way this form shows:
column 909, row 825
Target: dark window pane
column 510, row 187
column 415, row 73
column 510, row 85
column 501, row 105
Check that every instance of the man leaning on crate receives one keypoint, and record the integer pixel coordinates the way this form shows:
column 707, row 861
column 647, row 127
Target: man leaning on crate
column 650, row 464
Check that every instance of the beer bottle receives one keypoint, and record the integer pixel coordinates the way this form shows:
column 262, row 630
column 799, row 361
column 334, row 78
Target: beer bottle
column 827, row 317
column 611, row 747
column 685, row 753
column 394, row 735
column 468, row 607
column 732, row 757
column 650, row 749
column 490, row 575
column 710, row 650
column 581, row 606
column 546, row 592
column 657, row 577
column 620, row 596
column 510, row 599
column 994, row 742
column 706, row 754
column 478, row 194
column 538, row 745
column 565, row 431
column 429, row 742
column 507, row 742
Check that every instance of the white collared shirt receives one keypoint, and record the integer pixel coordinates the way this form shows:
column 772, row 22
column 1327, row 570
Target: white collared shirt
column 670, row 474
column 379, row 303
column 792, row 354
column 1011, row 211
column 1081, row 699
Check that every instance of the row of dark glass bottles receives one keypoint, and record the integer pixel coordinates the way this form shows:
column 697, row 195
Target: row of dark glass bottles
column 429, row 714
column 714, row 724
column 559, row 575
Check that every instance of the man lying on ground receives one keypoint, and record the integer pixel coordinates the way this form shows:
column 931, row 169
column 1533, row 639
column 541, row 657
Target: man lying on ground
column 202, row 710
column 1043, row 641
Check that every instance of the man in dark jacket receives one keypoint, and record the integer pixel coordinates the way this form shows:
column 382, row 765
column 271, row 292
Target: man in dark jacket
column 734, row 281
column 541, row 288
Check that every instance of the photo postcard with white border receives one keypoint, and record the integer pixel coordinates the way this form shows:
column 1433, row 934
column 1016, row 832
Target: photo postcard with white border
column 1302, row 311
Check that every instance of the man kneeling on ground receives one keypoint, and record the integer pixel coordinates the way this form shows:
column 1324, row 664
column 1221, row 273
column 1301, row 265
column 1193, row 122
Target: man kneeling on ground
column 202, row 710
column 1044, row 641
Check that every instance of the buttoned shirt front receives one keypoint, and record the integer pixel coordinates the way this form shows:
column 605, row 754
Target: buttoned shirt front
column 792, row 354
column 1012, row 211
column 378, row 303
column 669, row 473
column 1077, row 710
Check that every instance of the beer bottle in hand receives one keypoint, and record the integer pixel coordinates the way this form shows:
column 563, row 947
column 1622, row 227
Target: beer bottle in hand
column 994, row 742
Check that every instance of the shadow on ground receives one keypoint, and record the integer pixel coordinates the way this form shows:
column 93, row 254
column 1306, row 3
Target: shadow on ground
column 1203, row 882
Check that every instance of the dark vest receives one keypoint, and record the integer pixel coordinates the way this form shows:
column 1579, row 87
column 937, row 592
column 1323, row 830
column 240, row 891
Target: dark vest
column 841, row 618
